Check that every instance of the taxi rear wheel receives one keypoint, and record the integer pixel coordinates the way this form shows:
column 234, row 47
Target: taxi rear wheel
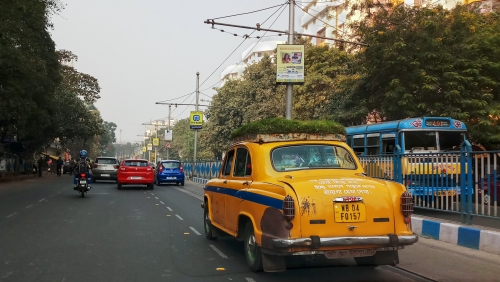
column 253, row 254
column 208, row 224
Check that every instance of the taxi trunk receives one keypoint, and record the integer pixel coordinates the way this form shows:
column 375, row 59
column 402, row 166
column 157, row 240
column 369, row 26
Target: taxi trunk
column 341, row 207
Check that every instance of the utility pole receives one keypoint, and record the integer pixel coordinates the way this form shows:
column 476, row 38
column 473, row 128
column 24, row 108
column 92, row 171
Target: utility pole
column 289, row 87
column 168, row 129
column 196, row 109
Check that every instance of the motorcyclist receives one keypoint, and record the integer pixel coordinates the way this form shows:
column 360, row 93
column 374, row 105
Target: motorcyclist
column 82, row 166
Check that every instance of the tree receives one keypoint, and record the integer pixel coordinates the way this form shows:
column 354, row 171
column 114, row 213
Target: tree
column 431, row 62
column 29, row 69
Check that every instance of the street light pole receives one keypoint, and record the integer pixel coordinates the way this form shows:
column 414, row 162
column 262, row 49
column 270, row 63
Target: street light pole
column 289, row 87
column 168, row 129
column 196, row 109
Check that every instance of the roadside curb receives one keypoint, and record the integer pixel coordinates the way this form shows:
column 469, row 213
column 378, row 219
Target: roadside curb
column 462, row 235
column 199, row 180
column 20, row 177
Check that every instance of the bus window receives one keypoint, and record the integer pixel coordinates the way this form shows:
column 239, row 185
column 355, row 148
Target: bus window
column 388, row 146
column 449, row 140
column 420, row 140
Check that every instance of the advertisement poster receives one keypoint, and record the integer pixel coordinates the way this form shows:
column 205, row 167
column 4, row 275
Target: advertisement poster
column 169, row 135
column 150, row 147
column 290, row 64
column 196, row 120
column 156, row 141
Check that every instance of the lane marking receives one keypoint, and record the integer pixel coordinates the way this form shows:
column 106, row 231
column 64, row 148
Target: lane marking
column 179, row 217
column 42, row 200
column 157, row 198
column 10, row 215
column 162, row 202
column 169, row 209
column 194, row 230
column 152, row 194
column 29, row 206
column 218, row 251
column 250, row 279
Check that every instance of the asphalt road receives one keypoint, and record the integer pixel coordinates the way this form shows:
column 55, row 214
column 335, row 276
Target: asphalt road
column 49, row 233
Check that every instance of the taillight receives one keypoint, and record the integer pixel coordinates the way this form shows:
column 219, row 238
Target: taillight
column 122, row 168
column 288, row 208
column 181, row 169
column 407, row 206
column 161, row 168
column 116, row 166
column 96, row 165
column 83, row 175
column 148, row 169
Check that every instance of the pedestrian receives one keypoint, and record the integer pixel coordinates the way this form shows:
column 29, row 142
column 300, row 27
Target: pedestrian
column 40, row 164
column 59, row 165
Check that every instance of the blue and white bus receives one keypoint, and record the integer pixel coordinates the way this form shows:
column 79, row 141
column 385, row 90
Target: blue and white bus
column 429, row 152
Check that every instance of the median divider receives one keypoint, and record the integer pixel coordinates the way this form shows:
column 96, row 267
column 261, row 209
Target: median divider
column 462, row 235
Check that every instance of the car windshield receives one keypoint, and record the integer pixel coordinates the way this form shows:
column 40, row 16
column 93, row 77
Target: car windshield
column 170, row 164
column 105, row 161
column 427, row 140
column 135, row 163
column 311, row 157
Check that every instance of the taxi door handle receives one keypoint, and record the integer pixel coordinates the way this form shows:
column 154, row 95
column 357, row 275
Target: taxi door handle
column 246, row 183
column 225, row 182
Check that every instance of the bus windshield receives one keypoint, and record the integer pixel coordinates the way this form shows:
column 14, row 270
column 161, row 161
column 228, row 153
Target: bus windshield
column 428, row 140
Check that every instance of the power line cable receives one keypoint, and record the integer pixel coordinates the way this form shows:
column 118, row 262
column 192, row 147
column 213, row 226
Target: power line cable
column 281, row 6
column 248, row 12
column 177, row 97
column 282, row 9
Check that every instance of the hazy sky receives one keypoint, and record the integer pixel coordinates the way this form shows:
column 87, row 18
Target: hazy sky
column 145, row 51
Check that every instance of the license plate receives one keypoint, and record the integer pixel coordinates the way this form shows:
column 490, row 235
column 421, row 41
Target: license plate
column 105, row 175
column 83, row 182
column 349, row 253
column 135, row 177
column 171, row 177
column 351, row 212
column 445, row 193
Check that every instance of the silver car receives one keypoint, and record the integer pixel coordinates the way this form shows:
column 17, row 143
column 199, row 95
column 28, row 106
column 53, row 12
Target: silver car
column 105, row 168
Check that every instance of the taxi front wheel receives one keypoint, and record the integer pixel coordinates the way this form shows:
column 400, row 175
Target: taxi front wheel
column 252, row 250
column 208, row 224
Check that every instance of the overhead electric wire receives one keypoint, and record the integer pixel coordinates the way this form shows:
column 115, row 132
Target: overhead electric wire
column 281, row 6
column 176, row 98
column 248, row 12
column 186, row 108
column 252, row 47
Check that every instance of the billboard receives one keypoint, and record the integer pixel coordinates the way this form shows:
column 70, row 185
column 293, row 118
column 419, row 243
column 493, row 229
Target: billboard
column 290, row 64
column 169, row 135
column 196, row 120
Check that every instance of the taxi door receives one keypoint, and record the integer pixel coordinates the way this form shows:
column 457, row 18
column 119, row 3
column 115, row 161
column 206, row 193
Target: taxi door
column 241, row 178
column 220, row 190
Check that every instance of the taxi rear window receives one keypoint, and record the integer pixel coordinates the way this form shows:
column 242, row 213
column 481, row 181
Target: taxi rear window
column 311, row 157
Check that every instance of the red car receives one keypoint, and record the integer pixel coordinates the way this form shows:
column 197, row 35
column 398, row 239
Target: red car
column 135, row 172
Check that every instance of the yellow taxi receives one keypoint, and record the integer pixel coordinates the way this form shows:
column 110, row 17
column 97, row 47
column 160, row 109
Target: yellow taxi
column 305, row 194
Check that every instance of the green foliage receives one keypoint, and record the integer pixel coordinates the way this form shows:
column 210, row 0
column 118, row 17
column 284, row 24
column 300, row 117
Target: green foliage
column 429, row 61
column 281, row 125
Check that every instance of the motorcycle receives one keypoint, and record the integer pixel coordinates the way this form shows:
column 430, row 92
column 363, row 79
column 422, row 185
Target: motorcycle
column 82, row 184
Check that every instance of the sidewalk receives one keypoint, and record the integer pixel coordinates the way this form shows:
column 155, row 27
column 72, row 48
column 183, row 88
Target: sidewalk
column 9, row 178
column 476, row 237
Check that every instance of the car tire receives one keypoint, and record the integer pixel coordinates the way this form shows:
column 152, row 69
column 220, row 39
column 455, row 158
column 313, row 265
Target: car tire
column 208, row 227
column 151, row 186
column 253, row 254
column 182, row 183
column 94, row 180
column 119, row 186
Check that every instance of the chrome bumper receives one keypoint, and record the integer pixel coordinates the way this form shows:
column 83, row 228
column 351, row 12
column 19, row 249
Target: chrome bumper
column 316, row 242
